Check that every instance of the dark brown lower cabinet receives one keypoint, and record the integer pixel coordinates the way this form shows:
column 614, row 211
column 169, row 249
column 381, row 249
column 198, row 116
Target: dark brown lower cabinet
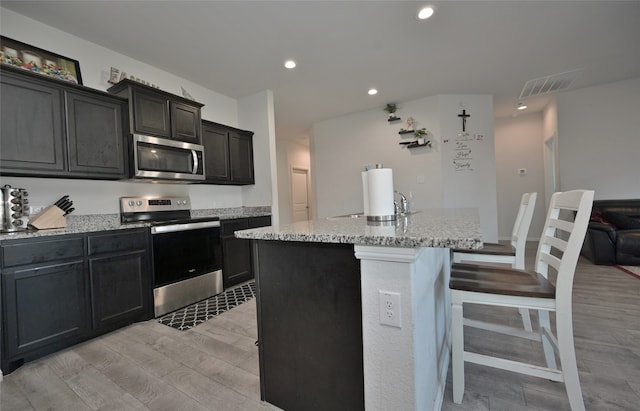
column 236, row 252
column 44, row 306
column 61, row 290
column 120, row 277
column 309, row 325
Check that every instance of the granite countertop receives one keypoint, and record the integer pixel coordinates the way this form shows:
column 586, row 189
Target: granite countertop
column 447, row 228
column 107, row 222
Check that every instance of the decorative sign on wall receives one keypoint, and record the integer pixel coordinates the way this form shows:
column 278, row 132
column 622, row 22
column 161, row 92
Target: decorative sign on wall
column 116, row 76
column 463, row 146
column 463, row 155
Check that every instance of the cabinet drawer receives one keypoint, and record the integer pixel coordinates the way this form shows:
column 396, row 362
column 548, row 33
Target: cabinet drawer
column 231, row 226
column 34, row 252
column 116, row 241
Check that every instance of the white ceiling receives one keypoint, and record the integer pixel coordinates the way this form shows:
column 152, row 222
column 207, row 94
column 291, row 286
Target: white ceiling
column 343, row 48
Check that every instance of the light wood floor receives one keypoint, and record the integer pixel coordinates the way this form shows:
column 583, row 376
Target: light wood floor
column 214, row 366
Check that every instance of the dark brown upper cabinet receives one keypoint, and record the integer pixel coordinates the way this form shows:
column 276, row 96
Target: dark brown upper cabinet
column 228, row 154
column 50, row 128
column 158, row 113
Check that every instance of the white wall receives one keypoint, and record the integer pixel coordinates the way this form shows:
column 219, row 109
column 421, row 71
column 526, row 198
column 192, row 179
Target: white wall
column 94, row 197
column 256, row 114
column 341, row 147
column 519, row 144
column 599, row 141
column 474, row 186
column 290, row 154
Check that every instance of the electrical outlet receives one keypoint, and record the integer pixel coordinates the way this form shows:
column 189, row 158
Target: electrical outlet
column 390, row 313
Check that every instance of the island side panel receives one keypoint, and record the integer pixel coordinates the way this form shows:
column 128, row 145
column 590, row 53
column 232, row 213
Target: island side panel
column 405, row 367
column 309, row 325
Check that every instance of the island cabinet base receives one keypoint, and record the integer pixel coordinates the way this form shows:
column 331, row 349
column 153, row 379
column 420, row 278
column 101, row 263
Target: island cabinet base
column 309, row 325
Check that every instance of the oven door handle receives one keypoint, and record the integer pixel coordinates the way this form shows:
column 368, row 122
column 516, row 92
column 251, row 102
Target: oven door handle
column 172, row 228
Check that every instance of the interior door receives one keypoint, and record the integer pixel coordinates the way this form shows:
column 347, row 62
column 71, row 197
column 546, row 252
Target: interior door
column 300, row 194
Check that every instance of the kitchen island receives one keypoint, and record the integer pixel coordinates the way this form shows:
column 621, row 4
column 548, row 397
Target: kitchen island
column 324, row 289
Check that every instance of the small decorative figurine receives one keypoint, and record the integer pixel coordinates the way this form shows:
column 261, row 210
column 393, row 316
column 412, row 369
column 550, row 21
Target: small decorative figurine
column 410, row 122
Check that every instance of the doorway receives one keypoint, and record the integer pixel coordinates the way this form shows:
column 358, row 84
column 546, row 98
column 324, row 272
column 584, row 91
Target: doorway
column 300, row 193
column 550, row 169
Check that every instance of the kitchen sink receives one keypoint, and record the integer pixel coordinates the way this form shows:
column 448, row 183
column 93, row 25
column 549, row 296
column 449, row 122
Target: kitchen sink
column 347, row 216
column 361, row 215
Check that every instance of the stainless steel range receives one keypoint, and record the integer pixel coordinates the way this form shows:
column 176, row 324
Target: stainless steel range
column 187, row 254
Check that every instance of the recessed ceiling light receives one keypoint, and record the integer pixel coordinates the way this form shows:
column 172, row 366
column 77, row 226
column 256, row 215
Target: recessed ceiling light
column 372, row 92
column 290, row 64
column 425, row 13
column 521, row 106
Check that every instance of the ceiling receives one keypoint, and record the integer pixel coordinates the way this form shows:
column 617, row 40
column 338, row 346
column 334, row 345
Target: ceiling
column 343, row 48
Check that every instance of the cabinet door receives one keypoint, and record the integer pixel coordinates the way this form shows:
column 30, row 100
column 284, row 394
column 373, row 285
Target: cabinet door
column 236, row 253
column 120, row 278
column 185, row 123
column 120, row 289
column 31, row 131
column 241, row 157
column 96, row 138
column 151, row 114
column 216, row 153
column 44, row 306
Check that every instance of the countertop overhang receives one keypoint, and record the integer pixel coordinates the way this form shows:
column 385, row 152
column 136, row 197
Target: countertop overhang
column 436, row 227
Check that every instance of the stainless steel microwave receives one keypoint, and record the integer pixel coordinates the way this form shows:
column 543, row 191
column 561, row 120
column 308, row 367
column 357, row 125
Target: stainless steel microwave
column 163, row 159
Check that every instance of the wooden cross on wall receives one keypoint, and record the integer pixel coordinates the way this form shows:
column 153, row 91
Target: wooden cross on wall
column 464, row 116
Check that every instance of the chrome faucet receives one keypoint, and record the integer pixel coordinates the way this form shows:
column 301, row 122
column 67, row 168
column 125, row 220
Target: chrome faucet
column 403, row 207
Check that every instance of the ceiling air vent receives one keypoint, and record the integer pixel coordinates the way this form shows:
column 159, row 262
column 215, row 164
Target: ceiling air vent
column 549, row 84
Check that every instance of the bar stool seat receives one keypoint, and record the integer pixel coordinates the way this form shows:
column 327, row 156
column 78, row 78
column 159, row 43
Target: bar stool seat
column 504, row 281
column 512, row 254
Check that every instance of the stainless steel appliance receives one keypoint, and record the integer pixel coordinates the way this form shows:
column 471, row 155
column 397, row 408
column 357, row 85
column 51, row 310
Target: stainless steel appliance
column 187, row 254
column 163, row 159
column 15, row 208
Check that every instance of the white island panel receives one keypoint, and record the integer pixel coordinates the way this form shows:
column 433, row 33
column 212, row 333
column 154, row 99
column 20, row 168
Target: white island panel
column 406, row 367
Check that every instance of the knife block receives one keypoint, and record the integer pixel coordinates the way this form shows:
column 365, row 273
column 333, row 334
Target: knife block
column 50, row 217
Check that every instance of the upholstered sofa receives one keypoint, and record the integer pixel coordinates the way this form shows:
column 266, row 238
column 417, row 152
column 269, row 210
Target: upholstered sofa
column 613, row 236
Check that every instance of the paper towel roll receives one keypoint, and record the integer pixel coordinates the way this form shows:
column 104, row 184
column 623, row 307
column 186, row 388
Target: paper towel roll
column 365, row 192
column 380, row 184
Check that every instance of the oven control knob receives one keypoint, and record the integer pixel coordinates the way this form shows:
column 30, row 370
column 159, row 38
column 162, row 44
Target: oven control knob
column 139, row 203
column 131, row 203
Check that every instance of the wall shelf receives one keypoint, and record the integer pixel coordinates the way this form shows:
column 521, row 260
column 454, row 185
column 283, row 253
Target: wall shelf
column 414, row 144
column 392, row 119
column 406, row 132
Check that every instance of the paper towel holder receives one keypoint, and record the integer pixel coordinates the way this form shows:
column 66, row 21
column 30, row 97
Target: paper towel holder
column 379, row 218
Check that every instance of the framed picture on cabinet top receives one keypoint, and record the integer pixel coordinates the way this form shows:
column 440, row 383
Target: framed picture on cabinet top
column 36, row 60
